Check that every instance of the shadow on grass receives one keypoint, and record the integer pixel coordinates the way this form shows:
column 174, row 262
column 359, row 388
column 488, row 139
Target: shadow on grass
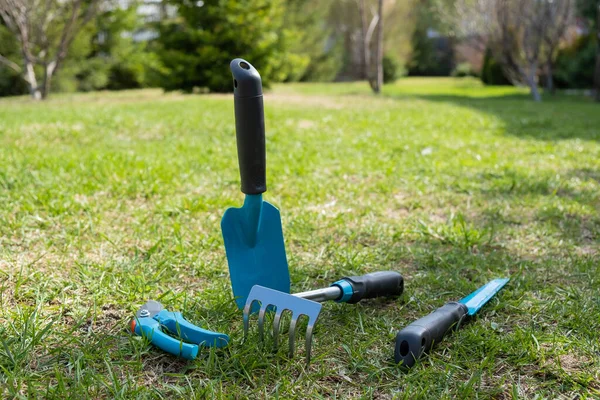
column 586, row 174
column 557, row 117
column 558, row 207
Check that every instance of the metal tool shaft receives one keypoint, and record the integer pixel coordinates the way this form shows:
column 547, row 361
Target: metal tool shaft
column 321, row 295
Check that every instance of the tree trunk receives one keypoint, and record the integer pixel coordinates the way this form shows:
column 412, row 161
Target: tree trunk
column 371, row 64
column 379, row 56
column 531, row 82
column 31, row 80
column 597, row 69
column 49, row 70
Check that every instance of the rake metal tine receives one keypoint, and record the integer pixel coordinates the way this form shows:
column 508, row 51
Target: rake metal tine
column 292, row 335
column 247, row 317
column 308, row 345
column 261, row 321
column 276, row 323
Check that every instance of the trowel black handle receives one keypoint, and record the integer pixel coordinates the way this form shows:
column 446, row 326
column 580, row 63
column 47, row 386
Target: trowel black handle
column 420, row 336
column 375, row 284
column 249, row 126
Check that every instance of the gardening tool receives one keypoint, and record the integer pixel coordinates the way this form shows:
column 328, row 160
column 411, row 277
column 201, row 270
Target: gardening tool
column 420, row 336
column 347, row 290
column 152, row 316
column 252, row 234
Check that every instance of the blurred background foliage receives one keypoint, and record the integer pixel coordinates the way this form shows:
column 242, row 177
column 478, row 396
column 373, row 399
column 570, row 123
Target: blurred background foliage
column 187, row 44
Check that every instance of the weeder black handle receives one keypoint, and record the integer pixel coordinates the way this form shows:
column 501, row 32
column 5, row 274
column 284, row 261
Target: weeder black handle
column 375, row 284
column 249, row 126
column 420, row 336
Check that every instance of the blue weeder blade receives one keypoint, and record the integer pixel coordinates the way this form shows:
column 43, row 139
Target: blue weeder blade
column 478, row 298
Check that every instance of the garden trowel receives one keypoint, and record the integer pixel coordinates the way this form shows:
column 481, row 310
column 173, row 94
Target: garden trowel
column 252, row 234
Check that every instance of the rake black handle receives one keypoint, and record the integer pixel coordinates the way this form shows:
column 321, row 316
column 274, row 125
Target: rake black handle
column 249, row 126
column 420, row 336
column 375, row 284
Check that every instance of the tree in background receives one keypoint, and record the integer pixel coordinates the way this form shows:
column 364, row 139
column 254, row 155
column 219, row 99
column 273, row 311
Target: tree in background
column 492, row 73
column 377, row 83
column 129, row 63
column 558, row 15
column 80, row 70
column 516, row 37
column 597, row 69
column 574, row 65
column 398, row 30
column 188, row 44
column 197, row 46
column 309, row 55
column 578, row 63
column 11, row 77
column 590, row 10
column 44, row 32
column 432, row 50
column 522, row 34
column 345, row 19
column 355, row 29
column 372, row 50
column 110, row 52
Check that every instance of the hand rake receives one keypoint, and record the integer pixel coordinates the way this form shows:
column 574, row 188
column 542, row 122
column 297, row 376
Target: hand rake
column 347, row 290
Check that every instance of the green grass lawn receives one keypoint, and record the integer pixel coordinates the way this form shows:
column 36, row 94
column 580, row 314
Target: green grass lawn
column 109, row 199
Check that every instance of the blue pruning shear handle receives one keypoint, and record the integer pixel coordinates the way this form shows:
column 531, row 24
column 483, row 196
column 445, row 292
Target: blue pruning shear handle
column 151, row 318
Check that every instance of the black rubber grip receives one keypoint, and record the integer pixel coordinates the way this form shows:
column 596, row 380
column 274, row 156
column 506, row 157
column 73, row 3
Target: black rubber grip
column 249, row 126
column 420, row 336
column 376, row 284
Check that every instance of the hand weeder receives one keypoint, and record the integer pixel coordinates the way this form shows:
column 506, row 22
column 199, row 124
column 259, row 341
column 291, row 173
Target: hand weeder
column 152, row 317
column 347, row 290
column 421, row 335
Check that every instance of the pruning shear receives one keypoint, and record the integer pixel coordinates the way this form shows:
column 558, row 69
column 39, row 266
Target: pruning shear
column 152, row 317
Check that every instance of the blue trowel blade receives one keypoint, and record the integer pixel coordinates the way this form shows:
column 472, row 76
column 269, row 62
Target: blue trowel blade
column 255, row 248
column 478, row 298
